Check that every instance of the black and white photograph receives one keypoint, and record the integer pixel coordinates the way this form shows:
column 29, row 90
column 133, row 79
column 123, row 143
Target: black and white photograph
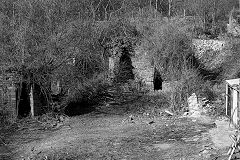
column 119, row 79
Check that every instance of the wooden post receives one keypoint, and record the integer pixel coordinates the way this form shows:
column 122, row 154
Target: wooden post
column 235, row 107
column 232, row 89
column 238, row 109
column 227, row 99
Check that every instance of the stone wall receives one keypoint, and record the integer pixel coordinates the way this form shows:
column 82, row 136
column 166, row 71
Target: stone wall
column 143, row 69
column 202, row 45
column 8, row 96
column 211, row 53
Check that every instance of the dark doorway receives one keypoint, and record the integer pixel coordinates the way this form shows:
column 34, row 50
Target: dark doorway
column 23, row 100
column 78, row 108
column 40, row 100
column 125, row 70
column 157, row 80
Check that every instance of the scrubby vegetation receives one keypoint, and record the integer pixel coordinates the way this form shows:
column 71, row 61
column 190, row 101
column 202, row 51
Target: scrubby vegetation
column 71, row 41
column 45, row 40
column 74, row 43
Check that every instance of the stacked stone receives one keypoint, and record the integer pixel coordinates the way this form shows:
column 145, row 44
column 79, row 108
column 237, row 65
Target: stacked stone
column 8, row 96
column 201, row 46
column 144, row 70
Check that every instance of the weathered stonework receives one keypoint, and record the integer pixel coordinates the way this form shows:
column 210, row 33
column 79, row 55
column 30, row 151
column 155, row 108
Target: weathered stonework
column 8, row 96
column 211, row 53
column 143, row 69
column 201, row 46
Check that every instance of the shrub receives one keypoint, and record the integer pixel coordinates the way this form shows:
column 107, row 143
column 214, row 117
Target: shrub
column 177, row 63
column 84, row 95
column 39, row 39
column 231, row 65
column 174, row 52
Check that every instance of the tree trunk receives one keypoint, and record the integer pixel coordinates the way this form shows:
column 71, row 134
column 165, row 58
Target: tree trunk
column 169, row 7
column 31, row 101
column 214, row 13
column 156, row 8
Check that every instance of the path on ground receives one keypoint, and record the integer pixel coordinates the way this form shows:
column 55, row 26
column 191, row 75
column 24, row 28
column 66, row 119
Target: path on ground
column 102, row 136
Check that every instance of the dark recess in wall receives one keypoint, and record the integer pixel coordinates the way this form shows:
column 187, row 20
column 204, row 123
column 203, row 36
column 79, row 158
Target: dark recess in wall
column 24, row 108
column 24, row 101
column 157, row 80
column 125, row 70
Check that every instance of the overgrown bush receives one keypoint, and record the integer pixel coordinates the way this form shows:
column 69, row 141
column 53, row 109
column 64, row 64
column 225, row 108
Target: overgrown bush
column 46, row 40
column 191, row 82
column 84, row 95
column 231, row 65
column 174, row 58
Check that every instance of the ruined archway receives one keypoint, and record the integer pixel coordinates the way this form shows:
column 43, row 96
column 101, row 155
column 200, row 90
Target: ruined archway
column 157, row 80
column 124, row 71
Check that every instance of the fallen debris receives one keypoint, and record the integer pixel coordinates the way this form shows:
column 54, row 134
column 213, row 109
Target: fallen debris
column 169, row 113
column 129, row 119
column 193, row 106
column 151, row 122
column 185, row 114
column 235, row 144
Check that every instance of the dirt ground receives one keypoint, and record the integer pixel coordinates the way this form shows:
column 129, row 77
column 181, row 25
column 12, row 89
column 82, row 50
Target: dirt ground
column 118, row 132
column 101, row 136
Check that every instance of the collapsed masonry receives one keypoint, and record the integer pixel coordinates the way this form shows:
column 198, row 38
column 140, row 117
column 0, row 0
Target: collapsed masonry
column 18, row 98
column 143, row 70
column 136, row 68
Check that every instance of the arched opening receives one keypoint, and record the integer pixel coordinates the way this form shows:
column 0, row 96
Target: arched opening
column 157, row 80
column 23, row 100
column 125, row 68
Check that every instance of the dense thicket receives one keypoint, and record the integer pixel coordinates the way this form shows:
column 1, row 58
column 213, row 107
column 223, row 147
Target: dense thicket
column 47, row 40
column 68, row 40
